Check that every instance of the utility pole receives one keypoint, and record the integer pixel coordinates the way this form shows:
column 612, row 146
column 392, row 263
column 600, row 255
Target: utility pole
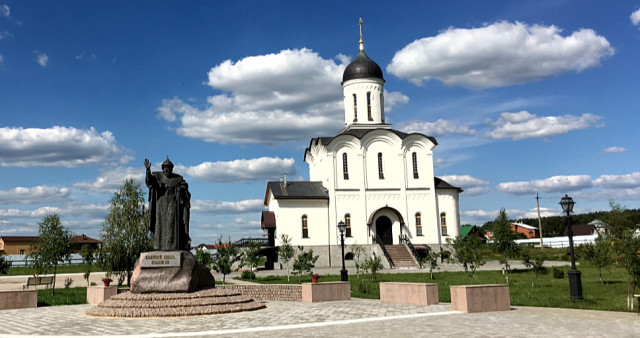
column 539, row 222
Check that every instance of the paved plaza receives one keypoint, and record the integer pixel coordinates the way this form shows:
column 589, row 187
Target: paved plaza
column 354, row 318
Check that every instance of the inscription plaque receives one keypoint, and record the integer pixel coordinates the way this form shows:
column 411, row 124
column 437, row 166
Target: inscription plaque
column 160, row 259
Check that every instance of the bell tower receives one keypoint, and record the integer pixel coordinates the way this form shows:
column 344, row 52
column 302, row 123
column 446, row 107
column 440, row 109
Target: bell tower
column 363, row 88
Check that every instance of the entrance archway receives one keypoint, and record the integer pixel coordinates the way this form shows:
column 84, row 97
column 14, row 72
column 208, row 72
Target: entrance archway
column 384, row 230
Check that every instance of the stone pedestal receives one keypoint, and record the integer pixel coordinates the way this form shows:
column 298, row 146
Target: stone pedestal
column 18, row 299
column 409, row 293
column 480, row 298
column 323, row 292
column 98, row 294
column 169, row 271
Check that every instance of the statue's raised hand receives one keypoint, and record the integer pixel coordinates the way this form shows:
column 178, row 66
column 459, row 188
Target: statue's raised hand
column 147, row 164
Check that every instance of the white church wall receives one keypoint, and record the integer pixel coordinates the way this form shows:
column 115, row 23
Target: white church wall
column 348, row 202
column 448, row 203
column 289, row 220
column 392, row 161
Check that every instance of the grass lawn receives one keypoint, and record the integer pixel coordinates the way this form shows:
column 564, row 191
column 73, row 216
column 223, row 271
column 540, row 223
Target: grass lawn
column 75, row 268
column 525, row 288
column 70, row 296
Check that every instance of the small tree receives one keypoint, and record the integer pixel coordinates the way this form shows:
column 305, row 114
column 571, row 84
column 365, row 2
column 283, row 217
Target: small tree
column 286, row 251
column 468, row 253
column 432, row 260
column 625, row 244
column 358, row 250
column 53, row 246
column 224, row 259
column 504, row 240
column 203, row 256
column 87, row 254
column 4, row 265
column 250, row 255
column 125, row 234
column 304, row 262
column 599, row 254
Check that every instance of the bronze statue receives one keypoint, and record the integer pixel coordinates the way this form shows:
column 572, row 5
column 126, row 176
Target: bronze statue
column 169, row 205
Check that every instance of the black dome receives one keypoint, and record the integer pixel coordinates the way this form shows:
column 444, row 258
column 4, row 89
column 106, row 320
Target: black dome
column 362, row 67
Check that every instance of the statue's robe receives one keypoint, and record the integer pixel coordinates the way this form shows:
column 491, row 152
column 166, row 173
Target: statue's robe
column 169, row 205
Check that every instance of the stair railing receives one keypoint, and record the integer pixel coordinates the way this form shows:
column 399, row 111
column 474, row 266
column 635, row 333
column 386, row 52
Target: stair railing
column 377, row 240
column 404, row 239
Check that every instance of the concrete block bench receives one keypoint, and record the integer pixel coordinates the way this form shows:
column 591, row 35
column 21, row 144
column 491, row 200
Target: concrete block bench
column 98, row 294
column 480, row 298
column 409, row 293
column 20, row 299
column 324, row 292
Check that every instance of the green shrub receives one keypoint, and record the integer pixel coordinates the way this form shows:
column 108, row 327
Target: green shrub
column 558, row 273
column 248, row 275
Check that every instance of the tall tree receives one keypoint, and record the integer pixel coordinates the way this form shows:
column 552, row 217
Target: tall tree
column 124, row 233
column 504, row 240
column 286, row 251
column 226, row 256
column 53, row 246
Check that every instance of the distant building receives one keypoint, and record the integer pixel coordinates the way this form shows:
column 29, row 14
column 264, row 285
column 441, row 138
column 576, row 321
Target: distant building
column 21, row 245
column 527, row 230
column 378, row 181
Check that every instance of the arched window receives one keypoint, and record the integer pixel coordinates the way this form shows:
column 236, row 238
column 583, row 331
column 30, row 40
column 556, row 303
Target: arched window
column 347, row 221
column 380, row 171
column 355, row 109
column 345, row 166
column 382, row 107
column 369, row 106
column 443, row 223
column 418, row 224
column 414, row 158
column 305, row 227
column 348, row 256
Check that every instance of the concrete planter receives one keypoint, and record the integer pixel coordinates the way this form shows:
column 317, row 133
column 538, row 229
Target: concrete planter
column 18, row 299
column 409, row 293
column 480, row 298
column 324, row 292
column 98, row 294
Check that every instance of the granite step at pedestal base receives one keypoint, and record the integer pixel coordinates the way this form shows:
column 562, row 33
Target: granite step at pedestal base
column 203, row 302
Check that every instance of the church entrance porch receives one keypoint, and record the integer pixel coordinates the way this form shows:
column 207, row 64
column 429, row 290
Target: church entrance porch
column 384, row 230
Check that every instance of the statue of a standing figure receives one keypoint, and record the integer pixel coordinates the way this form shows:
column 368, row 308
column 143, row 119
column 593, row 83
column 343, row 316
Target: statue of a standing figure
column 169, row 204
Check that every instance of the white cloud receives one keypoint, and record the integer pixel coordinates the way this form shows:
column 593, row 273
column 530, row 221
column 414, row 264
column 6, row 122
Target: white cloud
column 635, row 17
column 618, row 181
column 34, row 195
column 218, row 207
column 58, row 147
column 263, row 168
column 74, row 210
column 5, row 34
column 472, row 186
column 498, row 55
column 268, row 99
column 41, row 58
column 111, row 179
column 5, row 11
column 551, row 184
column 615, row 150
column 523, row 125
column 438, row 128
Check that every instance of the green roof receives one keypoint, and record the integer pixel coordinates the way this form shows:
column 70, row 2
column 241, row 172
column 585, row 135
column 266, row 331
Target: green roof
column 465, row 229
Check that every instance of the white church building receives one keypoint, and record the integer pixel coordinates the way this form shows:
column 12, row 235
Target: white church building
column 377, row 180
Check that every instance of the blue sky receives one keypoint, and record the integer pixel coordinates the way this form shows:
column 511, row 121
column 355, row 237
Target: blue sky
column 524, row 98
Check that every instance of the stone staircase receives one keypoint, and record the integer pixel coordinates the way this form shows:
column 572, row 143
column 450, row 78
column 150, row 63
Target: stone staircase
column 401, row 256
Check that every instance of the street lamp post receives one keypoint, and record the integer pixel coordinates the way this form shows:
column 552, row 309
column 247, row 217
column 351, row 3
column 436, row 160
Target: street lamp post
column 344, row 274
column 575, row 282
